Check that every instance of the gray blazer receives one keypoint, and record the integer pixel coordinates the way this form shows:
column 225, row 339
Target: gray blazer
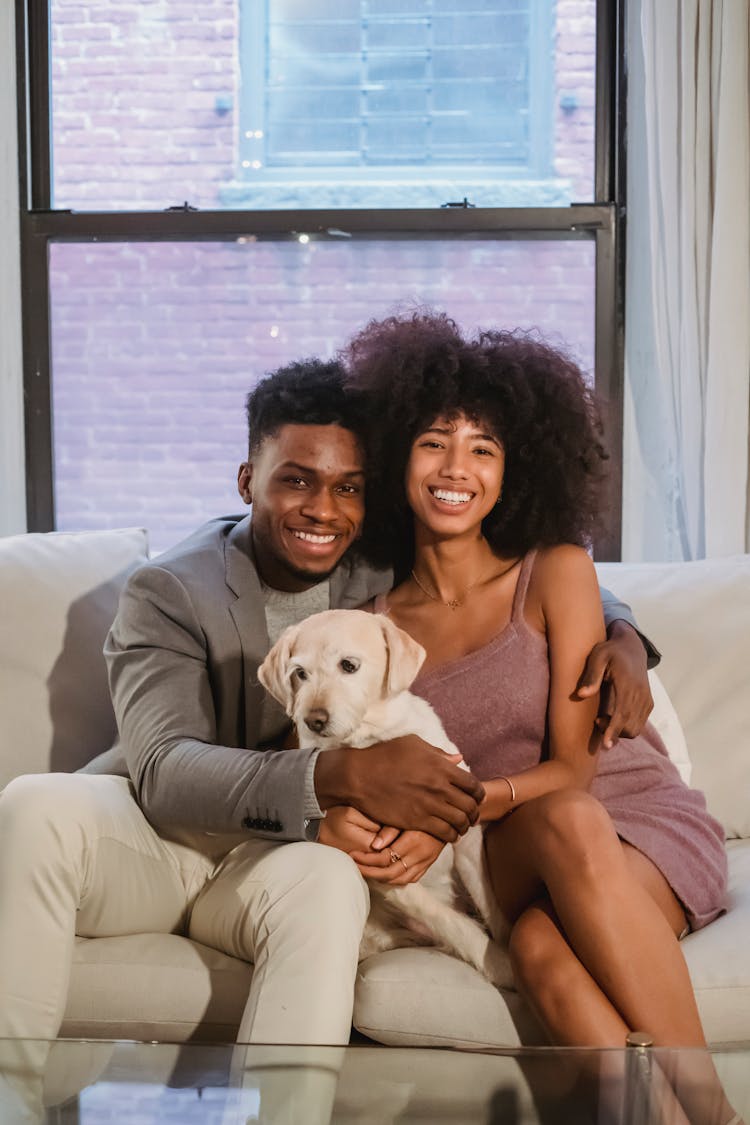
column 183, row 655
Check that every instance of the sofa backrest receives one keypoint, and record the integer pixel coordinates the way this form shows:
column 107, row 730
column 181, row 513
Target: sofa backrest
column 58, row 597
column 698, row 616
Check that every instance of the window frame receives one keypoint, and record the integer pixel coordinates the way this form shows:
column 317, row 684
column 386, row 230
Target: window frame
column 603, row 220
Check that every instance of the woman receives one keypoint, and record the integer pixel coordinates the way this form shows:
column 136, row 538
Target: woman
column 486, row 472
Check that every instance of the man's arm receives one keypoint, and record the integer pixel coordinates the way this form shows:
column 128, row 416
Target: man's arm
column 157, row 658
column 404, row 783
column 616, row 612
column 618, row 668
column 164, row 701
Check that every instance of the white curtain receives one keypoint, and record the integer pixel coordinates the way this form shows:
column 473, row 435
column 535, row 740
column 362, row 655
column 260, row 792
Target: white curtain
column 688, row 287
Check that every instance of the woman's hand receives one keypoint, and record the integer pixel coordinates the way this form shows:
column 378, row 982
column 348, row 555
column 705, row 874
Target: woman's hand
column 347, row 829
column 414, row 853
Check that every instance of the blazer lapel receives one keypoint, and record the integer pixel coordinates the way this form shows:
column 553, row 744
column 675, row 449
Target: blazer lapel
column 250, row 620
column 351, row 586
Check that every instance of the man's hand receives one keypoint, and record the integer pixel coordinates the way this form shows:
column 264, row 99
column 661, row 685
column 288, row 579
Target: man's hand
column 617, row 668
column 404, row 782
column 414, row 853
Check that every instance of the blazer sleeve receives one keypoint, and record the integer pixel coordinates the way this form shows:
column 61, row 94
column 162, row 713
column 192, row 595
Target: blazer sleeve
column 157, row 660
column 615, row 610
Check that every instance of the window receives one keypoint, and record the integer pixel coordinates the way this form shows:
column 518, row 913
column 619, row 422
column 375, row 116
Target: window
column 155, row 345
column 284, row 104
column 377, row 88
column 164, row 273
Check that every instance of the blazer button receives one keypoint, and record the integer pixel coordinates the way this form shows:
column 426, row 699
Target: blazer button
column 250, row 822
column 277, row 826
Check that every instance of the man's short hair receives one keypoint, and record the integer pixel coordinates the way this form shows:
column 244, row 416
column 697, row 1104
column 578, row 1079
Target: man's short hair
column 309, row 392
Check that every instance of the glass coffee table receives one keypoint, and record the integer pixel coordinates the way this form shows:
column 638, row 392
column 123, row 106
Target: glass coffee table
column 89, row 1082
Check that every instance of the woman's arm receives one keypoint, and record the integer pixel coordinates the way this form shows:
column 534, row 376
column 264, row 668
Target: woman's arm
column 563, row 601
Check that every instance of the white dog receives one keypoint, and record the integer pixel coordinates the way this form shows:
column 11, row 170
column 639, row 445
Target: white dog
column 343, row 678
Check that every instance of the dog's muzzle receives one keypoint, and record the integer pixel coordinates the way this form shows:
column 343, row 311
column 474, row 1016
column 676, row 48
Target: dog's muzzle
column 317, row 720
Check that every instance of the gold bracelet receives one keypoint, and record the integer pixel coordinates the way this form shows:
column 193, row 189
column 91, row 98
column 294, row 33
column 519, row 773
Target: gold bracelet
column 511, row 786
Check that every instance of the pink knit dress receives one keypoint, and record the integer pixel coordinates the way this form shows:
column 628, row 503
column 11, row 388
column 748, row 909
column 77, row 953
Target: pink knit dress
column 493, row 704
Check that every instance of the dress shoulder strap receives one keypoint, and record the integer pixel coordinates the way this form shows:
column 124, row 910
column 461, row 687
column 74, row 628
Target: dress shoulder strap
column 522, row 585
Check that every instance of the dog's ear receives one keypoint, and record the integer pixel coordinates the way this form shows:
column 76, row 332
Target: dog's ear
column 273, row 671
column 405, row 656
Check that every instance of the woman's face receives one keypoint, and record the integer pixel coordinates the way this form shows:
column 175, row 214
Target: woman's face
column 454, row 475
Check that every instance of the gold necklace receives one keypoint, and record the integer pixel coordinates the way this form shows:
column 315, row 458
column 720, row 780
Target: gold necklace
column 455, row 603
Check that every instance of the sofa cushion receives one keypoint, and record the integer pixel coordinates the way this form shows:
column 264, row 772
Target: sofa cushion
column 698, row 615
column 413, row 997
column 718, row 961
column 59, row 592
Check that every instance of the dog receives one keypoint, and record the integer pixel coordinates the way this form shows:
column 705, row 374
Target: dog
column 343, row 678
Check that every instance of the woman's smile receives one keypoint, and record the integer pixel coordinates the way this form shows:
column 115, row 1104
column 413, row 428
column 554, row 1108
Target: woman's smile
column 455, row 470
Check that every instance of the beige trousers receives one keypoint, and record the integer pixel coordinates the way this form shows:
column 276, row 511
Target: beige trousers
column 77, row 856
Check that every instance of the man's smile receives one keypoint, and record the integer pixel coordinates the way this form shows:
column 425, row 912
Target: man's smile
column 314, row 537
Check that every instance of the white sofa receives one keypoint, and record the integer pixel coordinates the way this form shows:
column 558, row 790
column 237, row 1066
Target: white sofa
column 58, row 594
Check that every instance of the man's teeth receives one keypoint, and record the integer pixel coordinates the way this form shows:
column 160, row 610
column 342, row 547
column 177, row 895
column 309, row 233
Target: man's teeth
column 451, row 497
column 308, row 537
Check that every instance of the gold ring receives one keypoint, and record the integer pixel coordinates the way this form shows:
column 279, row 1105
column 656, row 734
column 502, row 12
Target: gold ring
column 404, row 863
column 396, row 858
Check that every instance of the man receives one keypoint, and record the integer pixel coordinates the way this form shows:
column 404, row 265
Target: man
column 219, row 842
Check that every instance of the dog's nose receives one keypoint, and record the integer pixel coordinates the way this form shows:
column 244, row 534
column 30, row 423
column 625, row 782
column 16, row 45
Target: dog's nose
column 316, row 720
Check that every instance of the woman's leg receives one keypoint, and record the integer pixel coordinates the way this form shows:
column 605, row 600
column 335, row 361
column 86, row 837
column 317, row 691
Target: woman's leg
column 564, row 845
column 561, row 992
column 575, row 1011
column 596, row 954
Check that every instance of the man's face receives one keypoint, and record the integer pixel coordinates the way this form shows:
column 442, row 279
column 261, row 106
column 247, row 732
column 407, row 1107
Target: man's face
column 307, row 488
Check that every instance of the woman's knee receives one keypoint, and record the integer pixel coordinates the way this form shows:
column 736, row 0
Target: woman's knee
column 572, row 828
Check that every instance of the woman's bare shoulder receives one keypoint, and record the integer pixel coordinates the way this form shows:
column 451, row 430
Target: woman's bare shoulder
column 566, row 558
column 564, row 569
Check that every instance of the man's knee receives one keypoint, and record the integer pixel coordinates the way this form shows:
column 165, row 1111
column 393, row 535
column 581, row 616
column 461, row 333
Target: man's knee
column 62, row 810
column 312, row 888
column 327, row 878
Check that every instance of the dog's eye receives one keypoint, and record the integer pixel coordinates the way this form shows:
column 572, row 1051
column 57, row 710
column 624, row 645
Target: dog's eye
column 349, row 666
column 300, row 673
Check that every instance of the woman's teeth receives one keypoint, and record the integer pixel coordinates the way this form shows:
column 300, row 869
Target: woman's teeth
column 451, row 497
